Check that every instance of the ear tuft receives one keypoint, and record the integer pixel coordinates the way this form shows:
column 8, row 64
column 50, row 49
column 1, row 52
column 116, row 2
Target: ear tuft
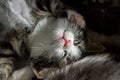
column 76, row 17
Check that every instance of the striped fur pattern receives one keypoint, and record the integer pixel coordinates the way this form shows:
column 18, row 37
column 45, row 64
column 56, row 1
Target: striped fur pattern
column 18, row 19
column 47, row 48
column 89, row 68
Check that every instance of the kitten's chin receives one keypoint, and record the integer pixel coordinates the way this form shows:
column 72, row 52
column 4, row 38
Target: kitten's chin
column 67, row 56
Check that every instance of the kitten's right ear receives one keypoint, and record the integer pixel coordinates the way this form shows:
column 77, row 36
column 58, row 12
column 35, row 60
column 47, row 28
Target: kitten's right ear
column 76, row 18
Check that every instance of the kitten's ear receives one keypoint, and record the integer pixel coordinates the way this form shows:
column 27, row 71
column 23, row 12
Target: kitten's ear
column 76, row 17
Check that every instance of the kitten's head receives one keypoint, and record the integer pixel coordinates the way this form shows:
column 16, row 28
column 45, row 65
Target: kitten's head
column 58, row 40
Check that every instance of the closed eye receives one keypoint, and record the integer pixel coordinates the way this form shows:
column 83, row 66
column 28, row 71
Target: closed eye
column 76, row 42
column 78, row 39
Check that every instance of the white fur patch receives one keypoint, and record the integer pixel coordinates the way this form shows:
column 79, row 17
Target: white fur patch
column 69, row 36
column 20, row 11
column 75, row 51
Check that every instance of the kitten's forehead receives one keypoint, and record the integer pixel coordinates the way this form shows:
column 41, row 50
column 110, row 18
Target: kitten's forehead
column 62, row 23
column 51, row 25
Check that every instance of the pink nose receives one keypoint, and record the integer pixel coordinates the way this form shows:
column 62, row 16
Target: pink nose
column 67, row 42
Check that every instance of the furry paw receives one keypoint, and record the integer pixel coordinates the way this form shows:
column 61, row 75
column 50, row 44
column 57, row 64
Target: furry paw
column 2, row 76
column 5, row 71
column 6, row 68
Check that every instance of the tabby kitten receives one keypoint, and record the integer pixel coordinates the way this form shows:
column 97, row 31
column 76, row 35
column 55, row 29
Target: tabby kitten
column 58, row 41
column 17, row 20
column 89, row 68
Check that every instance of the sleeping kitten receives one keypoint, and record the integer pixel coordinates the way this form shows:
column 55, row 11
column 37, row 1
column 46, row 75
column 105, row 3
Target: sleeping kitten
column 89, row 68
column 17, row 20
column 59, row 42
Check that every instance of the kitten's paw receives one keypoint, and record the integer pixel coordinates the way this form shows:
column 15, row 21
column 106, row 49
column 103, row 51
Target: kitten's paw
column 6, row 68
column 77, row 18
column 2, row 76
column 5, row 71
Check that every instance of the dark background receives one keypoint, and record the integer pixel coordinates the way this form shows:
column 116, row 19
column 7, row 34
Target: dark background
column 100, row 15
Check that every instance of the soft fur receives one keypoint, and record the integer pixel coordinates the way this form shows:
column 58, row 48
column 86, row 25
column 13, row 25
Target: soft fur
column 47, row 47
column 89, row 68
column 46, row 41
column 18, row 18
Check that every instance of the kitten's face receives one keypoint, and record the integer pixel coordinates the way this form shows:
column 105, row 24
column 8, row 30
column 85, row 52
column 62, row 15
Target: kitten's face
column 59, row 40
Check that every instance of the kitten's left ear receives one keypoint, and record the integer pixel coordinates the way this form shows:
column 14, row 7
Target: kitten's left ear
column 76, row 17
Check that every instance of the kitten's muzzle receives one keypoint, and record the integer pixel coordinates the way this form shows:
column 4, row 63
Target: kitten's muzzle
column 67, row 42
